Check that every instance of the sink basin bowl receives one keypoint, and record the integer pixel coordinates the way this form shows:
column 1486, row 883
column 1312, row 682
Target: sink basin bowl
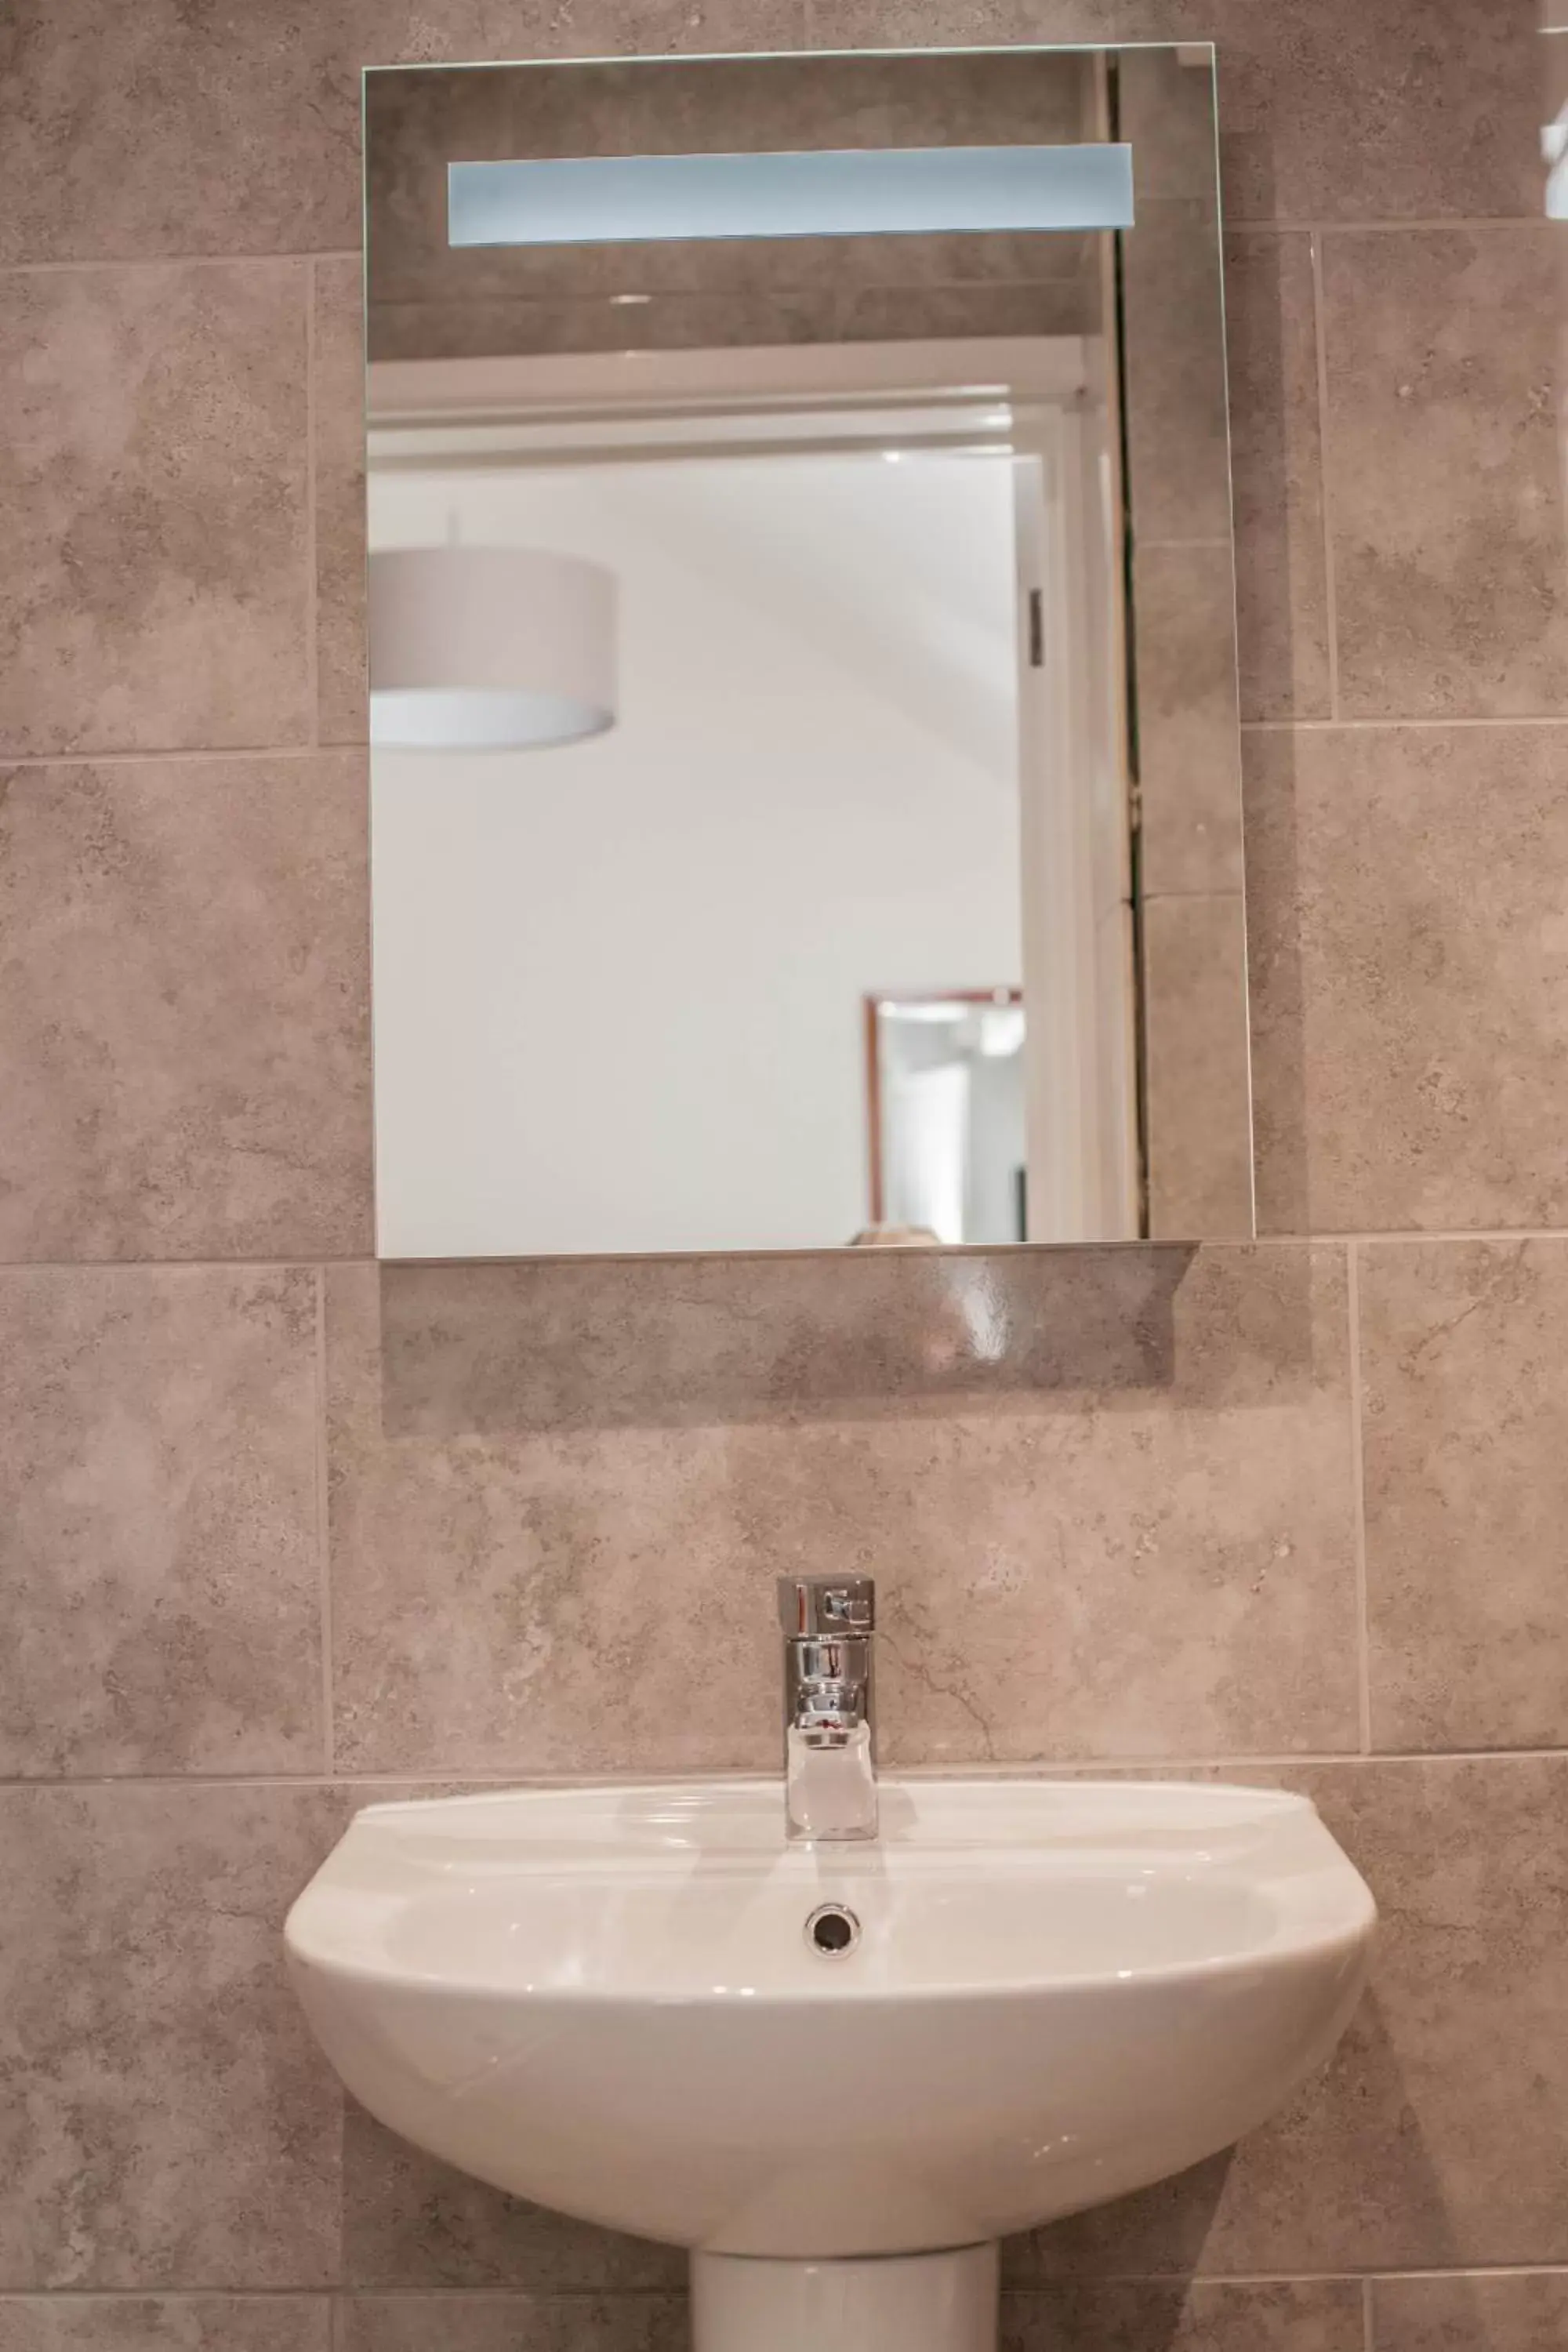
column 606, row 1999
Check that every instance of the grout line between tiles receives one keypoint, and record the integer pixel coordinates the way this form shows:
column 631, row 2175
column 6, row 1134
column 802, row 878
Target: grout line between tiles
column 176, row 261
column 1423, row 224
column 1411, row 1238
column 1383, row 726
column 1176, row 543
column 1320, row 361
column 521, row 2290
column 313, row 656
column 340, row 2192
column 1049, row 1768
column 242, row 1265
column 170, row 754
column 1366, row 2278
column 1368, row 2324
column 140, row 2294
column 332, row 2295
column 1420, row 224
column 1358, row 1495
column 1247, row 227
column 214, row 754
column 1157, row 897
column 323, row 1539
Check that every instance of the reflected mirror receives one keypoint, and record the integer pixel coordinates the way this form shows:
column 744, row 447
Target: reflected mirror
column 805, row 756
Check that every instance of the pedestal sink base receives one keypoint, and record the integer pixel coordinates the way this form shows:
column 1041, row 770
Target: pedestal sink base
column 891, row 2303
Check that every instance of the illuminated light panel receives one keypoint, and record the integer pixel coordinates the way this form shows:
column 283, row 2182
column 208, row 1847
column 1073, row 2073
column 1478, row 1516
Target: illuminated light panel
column 859, row 191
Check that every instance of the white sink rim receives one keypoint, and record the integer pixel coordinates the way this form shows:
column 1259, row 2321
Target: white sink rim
column 581, row 1828
column 968, row 2104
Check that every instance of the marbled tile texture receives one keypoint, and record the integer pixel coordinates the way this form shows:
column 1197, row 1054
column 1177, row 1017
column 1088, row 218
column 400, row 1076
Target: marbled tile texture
column 168, row 2120
column 158, row 1521
column 1319, row 2318
column 145, row 2322
column 1441, row 351
column 154, row 485
column 506, row 1599
column 185, row 1009
column 1467, row 1492
column 1409, row 940
column 1434, row 2138
column 1122, row 1501
column 1517, row 2312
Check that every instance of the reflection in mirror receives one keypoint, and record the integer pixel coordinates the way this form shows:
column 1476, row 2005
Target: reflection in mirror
column 945, row 1081
column 805, row 783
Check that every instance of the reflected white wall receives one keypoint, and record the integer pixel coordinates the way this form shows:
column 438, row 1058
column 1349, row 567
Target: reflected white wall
column 618, row 985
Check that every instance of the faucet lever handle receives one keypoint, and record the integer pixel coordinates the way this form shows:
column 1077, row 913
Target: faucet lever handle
column 811, row 1607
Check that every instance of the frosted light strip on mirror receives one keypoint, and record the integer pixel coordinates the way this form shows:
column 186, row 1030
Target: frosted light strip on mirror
column 628, row 199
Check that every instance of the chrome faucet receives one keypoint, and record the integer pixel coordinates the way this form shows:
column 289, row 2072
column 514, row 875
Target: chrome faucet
column 830, row 1737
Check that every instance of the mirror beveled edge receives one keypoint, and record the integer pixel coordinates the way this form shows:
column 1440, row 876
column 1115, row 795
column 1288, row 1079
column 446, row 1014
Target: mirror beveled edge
column 1183, row 706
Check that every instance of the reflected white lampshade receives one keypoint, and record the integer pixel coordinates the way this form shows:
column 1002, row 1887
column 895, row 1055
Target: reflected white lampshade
column 488, row 648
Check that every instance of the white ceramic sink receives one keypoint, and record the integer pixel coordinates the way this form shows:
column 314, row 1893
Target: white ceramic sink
column 604, row 2000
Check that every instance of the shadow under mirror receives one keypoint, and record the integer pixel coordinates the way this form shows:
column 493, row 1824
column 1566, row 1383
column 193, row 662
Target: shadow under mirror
column 805, row 775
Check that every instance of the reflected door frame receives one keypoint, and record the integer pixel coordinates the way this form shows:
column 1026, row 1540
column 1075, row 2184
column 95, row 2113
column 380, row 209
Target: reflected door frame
column 871, row 1020
column 567, row 408
column 1048, row 402
column 1085, row 1158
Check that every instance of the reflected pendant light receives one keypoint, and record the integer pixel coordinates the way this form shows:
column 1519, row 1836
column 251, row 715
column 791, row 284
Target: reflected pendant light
column 488, row 648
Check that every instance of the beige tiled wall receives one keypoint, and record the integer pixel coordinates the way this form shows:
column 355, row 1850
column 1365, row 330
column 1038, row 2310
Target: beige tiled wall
column 271, row 1526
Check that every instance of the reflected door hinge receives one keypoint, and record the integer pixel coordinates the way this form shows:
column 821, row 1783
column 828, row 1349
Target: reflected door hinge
column 1036, row 629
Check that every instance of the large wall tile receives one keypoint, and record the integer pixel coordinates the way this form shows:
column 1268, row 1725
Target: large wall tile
column 1156, row 1568
column 508, row 1604
column 158, row 1509
column 1435, row 2137
column 1444, row 472
column 1198, row 1113
column 1463, row 1348
column 186, row 2322
column 338, row 423
column 1178, row 453
column 1325, row 112
column 1518, row 2314
column 1189, row 753
column 153, row 482
column 1282, row 624
column 513, row 2323
column 1078, row 1574
column 410, row 2221
column 1322, row 2316
column 1407, row 936
column 236, row 129
column 168, row 2120
column 185, row 1009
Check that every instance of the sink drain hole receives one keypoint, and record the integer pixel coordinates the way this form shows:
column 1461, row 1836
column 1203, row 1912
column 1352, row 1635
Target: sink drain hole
column 832, row 1931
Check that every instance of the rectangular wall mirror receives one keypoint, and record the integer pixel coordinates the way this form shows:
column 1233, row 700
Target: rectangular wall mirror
column 805, row 755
